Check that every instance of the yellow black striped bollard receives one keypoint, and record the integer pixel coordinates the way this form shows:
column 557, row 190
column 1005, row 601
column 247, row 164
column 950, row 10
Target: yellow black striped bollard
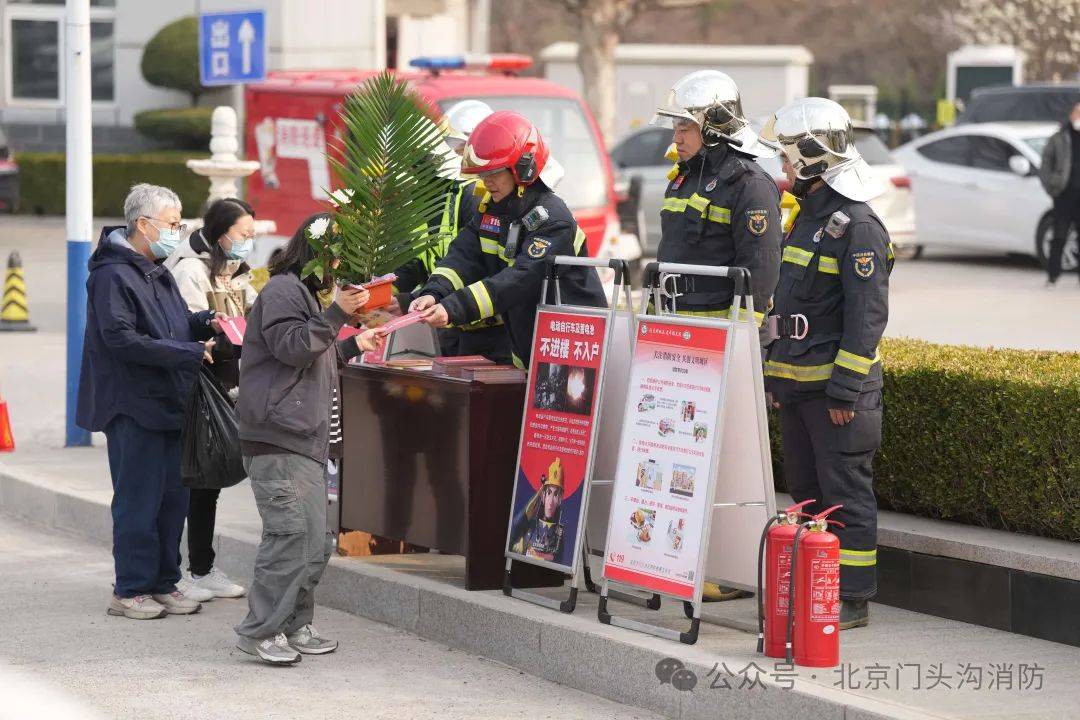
column 15, row 311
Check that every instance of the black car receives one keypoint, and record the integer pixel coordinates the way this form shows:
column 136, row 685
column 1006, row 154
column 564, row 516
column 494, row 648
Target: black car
column 1039, row 102
column 9, row 177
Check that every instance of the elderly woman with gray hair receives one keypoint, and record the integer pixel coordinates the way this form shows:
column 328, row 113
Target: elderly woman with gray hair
column 141, row 353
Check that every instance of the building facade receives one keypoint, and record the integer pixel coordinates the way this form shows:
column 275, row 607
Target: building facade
column 301, row 34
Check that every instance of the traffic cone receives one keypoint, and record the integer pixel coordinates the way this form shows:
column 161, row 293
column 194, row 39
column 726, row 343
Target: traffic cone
column 15, row 312
column 7, row 440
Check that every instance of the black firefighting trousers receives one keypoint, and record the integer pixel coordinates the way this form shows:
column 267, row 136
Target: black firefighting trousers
column 832, row 464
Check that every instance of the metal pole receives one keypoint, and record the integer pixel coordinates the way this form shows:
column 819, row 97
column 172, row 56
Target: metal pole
column 79, row 193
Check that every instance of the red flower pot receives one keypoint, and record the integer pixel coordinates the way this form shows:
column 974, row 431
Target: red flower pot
column 381, row 292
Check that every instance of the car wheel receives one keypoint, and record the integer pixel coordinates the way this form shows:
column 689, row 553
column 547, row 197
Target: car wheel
column 907, row 251
column 1044, row 236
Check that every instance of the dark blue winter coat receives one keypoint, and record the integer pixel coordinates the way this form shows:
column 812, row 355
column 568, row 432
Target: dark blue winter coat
column 141, row 351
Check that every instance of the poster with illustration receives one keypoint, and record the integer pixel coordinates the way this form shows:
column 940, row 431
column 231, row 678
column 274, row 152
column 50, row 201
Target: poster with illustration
column 677, row 379
column 556, row 438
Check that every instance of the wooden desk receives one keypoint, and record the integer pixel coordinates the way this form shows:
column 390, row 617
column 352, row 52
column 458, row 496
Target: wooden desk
column 429, row 459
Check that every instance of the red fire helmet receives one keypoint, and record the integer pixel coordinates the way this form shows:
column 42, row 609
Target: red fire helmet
column 506, row 140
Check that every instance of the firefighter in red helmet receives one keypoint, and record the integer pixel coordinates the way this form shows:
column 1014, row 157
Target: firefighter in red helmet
column 496, row 264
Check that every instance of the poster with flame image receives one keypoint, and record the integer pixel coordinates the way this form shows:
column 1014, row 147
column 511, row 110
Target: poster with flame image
column 564, row 388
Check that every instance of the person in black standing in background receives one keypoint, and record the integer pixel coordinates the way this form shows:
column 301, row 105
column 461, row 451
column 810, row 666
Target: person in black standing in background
column 1060, row 176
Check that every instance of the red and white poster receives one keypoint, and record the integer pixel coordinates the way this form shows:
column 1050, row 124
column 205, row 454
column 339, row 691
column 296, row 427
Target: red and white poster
column 561, row 405
column 660, row 499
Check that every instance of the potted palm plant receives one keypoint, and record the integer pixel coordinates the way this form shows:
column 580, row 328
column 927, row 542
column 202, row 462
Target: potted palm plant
column 389, row 160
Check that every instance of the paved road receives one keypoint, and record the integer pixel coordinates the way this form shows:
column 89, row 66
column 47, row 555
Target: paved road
column 59, row 643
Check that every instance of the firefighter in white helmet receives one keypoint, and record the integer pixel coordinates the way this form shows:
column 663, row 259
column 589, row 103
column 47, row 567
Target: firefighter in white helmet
column 720, row 207
column 831, row 306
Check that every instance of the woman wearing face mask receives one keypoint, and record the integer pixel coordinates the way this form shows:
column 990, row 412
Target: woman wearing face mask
column 211, row 273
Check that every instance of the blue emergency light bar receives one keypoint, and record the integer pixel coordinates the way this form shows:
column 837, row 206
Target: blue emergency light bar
column 448, row 62
column 497, row 62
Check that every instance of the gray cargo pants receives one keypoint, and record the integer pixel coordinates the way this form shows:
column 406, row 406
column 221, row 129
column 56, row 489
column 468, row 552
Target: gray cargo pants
column 290, row 491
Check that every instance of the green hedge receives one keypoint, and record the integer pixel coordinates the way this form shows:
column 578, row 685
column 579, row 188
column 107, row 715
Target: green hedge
column 42, row 181
column 171, row 58
column 985, row 437
column 177, row 127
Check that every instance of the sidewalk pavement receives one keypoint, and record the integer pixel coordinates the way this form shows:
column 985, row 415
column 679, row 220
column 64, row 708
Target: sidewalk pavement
column 905, row 665
column 58, row 638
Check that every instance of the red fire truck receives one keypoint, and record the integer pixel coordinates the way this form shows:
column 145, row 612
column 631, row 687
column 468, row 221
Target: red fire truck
column 291, row 116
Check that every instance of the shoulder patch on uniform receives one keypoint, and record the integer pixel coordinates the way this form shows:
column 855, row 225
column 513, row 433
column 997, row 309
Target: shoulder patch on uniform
column 712, row 185
column 538, row 248
column 837, row 224
column 757, row 221
column 864, row 263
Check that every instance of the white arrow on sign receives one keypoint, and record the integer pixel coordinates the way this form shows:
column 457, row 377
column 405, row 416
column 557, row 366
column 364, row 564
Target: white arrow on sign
column 246, row 36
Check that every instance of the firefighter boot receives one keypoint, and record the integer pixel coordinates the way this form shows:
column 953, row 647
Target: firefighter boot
column 712, row 592
column 854, row 613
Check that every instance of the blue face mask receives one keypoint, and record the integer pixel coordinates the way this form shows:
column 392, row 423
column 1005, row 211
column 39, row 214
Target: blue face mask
column 239, row 250
column 168, row 240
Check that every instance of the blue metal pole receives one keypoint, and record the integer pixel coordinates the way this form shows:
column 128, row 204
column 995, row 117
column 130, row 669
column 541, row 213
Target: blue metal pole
column 77, row 256
column 79, row 199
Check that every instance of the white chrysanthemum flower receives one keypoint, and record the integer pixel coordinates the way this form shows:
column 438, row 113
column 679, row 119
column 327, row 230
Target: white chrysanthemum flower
column 341, row 197
column 318, row 228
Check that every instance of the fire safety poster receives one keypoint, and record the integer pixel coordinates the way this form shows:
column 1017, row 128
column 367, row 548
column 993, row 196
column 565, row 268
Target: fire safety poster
column 557, row 435
column 659, row 502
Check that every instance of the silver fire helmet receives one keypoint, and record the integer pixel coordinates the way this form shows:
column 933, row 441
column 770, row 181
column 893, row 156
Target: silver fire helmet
column 462, row 118
column 816, row 137
column 711, row 99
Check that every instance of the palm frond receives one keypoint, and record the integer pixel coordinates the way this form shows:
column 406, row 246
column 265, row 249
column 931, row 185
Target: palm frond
column 387, row 158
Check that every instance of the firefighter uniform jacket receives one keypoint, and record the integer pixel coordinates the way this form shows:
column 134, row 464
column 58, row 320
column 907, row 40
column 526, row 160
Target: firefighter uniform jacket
column 481, row 277
column 721, row 208
column 835, row 274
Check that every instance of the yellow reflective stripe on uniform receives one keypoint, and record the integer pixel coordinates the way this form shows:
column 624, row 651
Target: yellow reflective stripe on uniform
column 855, row 363
column 517, row 361
column 449, row 274
column 483, row 299
column 828, row 265
column 858, row 558
column 674, row 204
column 798, row 373
column 797, row 256
column 720, row 215
column 491, row 247
column 697, row 202
column 579, row 241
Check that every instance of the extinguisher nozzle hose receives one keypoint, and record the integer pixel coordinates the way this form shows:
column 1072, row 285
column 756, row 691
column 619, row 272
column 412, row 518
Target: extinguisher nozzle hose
column 760, row 595
column 792, row 589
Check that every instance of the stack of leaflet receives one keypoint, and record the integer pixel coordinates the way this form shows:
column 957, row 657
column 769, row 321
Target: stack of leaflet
column 453, row 366
column 493, row 374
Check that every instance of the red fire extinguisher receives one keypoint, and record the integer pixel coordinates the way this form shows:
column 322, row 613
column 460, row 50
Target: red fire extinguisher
column 777, row 540
column 815, row 594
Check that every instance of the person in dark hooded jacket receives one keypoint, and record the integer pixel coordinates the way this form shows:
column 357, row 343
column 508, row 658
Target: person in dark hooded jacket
column 141, row 353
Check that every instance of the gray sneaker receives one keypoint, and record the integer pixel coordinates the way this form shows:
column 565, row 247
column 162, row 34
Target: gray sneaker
column 140, row 607
column 177, row 603
column 308, row 641
column 274, row 650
